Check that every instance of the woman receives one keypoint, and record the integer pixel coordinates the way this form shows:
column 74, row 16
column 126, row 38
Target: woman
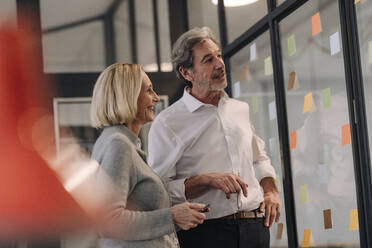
column 123, row 100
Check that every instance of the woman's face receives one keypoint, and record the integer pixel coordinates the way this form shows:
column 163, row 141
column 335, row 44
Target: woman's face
column 146, row 101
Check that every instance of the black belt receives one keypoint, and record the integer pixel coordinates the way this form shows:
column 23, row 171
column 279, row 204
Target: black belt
column 244, row 215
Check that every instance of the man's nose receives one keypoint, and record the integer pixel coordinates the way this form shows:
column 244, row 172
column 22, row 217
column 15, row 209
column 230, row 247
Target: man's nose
column 220, row 64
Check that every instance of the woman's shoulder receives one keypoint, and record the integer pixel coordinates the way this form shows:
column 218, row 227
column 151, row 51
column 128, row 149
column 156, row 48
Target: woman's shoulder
column 113, row 142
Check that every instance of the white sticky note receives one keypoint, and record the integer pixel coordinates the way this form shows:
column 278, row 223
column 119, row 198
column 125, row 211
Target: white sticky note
column 370, row 52
column 335, row 43
column 236, row 88
column 272, row 110
column 322, row 173
column 253, row 54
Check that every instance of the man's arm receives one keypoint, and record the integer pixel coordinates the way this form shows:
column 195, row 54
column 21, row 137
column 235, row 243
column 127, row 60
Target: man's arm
column 228, row 183
column 271, row 204
column 164, row 150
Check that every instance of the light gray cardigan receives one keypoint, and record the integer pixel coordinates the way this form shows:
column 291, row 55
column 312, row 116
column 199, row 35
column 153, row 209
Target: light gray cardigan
column 144, row 205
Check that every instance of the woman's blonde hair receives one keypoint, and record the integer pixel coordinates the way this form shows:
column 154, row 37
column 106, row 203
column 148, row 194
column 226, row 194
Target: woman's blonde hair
column 115, row 95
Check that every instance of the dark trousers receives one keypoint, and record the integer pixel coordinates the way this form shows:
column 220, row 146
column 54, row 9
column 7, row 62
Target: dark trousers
column 223, row 233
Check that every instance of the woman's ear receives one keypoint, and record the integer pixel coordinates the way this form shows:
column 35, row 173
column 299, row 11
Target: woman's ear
column 187, row 74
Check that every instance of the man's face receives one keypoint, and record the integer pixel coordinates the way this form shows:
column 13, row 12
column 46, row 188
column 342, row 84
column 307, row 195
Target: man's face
column 208, row 72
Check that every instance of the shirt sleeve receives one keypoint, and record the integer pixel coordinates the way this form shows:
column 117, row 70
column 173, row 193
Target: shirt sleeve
column 261, row 161
column 118, row 163
column 164, row 150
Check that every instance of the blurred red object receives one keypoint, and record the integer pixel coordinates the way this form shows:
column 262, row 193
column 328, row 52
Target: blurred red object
column 33, row 202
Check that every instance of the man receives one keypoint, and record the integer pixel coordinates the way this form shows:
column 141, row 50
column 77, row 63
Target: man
column 206, row 149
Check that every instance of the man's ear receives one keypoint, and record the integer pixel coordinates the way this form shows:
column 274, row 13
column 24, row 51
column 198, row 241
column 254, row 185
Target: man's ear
column 186, row 73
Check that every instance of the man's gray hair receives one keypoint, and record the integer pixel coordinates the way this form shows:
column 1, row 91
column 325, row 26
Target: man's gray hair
column 182, row 55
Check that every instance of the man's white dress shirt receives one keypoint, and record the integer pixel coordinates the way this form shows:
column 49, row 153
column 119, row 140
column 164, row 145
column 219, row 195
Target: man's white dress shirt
column 192, row 138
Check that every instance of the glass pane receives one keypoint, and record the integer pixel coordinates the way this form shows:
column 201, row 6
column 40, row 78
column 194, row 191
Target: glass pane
column 318, row 122
column 279, row 2
column 252, row 77
column 8, row 11
column 241, row 18
column 122, row 37
column 203, row 13
column 164, row 35
column 77, row 49
column 72, row 48
column 363, row 10
column 145, row 35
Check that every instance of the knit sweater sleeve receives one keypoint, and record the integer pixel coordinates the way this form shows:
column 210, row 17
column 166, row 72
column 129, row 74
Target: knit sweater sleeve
column 119, row 162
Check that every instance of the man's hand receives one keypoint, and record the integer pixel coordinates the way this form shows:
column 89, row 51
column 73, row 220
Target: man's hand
column 227, row 182
column 271, row 204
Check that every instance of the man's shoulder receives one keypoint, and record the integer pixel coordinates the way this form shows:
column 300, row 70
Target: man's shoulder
column 177, row 108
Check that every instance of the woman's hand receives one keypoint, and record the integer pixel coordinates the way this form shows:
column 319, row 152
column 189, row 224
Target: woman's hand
column 187, row 215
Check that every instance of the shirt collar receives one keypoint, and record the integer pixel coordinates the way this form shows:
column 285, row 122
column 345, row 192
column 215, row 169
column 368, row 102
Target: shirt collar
column 192, row 103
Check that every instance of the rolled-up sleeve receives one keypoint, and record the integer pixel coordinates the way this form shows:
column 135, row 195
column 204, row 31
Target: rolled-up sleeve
column 164, row 150
column 261, row 161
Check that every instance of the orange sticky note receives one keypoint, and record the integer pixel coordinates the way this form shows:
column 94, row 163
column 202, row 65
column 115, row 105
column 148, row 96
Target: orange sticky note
column 316, row 24
column 353, row 225
column 293, row 140
column 346, row 134
column 357, row 1
column 307, row 102
column 306, row 238
column 243, row 74
column 279, row 231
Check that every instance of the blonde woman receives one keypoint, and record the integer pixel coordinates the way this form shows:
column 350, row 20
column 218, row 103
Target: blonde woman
column 142, row 216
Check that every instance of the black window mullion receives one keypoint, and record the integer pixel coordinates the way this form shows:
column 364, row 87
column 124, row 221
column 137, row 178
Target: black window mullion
column 222, row 22
column 133, row 31
column 156, row 32
column 358, row 119
column 109, row 39
column 282, row 118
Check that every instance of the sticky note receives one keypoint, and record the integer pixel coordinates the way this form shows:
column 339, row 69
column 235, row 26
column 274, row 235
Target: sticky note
column 293, row 81
column 334, row 42
column 268, row 66
column 326, row 96
column 322, row 173
column 346, row 139
column 236, row 88
column 279, row 231
column 316, row 24
column 370, row 52
column 272, row 111
column 254, row 104
column 293, row 140
column 327, row 216
column 307, row 102
column 357, row 1
column 306, row 238
column 303, row 193
column 253, row 52
column 291, row 45
column 353, row 225
column 243, row 74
